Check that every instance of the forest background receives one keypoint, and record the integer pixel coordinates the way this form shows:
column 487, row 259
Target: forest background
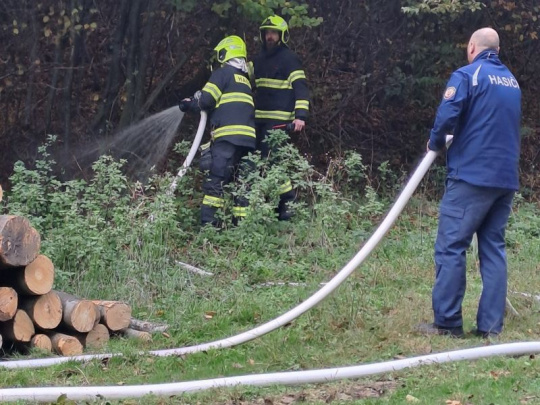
column 83, row 69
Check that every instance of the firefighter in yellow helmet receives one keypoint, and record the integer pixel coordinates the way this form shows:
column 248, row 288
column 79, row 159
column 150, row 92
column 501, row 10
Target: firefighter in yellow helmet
column 227, row 98
column 282, row 95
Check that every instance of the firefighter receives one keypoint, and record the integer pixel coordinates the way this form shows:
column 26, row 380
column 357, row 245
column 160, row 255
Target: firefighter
column 282, row 95
column 228, row 99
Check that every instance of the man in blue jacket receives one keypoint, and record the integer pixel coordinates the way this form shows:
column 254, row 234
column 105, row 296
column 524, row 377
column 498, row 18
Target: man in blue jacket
column 481, row 107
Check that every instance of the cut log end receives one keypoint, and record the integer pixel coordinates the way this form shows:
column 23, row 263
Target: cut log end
column 114, row 314
column 38, row 277
column 137, row 334
column 97, row 338
column 79, row 315
column 45, row 310
column 66, row 345
column 83, row 316
column 8, row 303
column 42, row 342
column 19, row 242
column 18, row 329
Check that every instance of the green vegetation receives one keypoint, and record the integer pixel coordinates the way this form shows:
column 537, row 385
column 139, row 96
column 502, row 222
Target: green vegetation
column 111, row 238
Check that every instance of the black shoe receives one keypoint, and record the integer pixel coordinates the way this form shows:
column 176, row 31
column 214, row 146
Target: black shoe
column 433, row 329
column 485, row 335
column 285, row 213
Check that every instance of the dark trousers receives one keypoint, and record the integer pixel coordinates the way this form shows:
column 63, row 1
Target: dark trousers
column 465, row 210
column 225, row 161
column 286, row 193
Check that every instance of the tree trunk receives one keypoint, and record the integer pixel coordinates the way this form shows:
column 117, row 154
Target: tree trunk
column 97, row 338
column 8, row 303
column 58, row 54
column 44, row 310
column 115, row 315
column 78, row 314
column 145, row 52
column 173, row 71
column 41, row 341
column 113, row 79
column 35, row 279
column 1, row 193
column 28, row 107
column 132, row 65
column 68, row 82
column 19, row 242
column 18, row 329
column 66, row 345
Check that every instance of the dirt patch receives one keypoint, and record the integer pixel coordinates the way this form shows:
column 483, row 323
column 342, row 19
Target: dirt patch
column 325, row 393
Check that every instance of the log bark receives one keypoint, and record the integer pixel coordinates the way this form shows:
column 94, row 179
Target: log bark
column 146, row 326
column 79, row 315
column 97, row 338
column 18, row 329
column 8, row 303
column 137, row 334
column 44, row 310
column 114, row 314
column 66, row 345
column 19, row 242
column 41, row 341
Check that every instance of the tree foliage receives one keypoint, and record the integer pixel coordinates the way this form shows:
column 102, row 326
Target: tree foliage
column 82, row 69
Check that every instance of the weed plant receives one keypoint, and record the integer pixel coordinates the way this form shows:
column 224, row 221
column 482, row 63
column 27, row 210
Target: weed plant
column 113, row 238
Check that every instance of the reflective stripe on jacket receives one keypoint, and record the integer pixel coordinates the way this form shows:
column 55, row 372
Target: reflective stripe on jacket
column 282, row 92
column 228, row 98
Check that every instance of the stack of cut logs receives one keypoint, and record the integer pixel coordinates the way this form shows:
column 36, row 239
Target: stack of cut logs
column 34, row 315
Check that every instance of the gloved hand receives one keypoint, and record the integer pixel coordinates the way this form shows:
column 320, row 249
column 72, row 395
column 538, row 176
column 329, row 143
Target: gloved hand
column 185, row 104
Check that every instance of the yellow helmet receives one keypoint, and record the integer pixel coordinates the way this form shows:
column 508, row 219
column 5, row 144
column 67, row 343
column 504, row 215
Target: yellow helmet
column 275, row 22
column 230, row 47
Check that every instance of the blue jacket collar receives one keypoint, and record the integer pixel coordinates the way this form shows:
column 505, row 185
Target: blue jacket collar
column 487, row 54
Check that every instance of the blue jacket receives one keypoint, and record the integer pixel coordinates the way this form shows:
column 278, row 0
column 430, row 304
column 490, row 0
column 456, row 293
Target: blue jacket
column 481, row 107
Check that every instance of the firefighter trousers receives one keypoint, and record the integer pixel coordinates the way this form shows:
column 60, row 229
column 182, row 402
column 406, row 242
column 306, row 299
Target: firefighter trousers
column 224, row 169
column 286, row 192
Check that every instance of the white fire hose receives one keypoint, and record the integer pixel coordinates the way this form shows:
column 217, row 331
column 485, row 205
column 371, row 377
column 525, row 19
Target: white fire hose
column 287, row 317
column 289, row 378
column 191, row 154
column 285, row 378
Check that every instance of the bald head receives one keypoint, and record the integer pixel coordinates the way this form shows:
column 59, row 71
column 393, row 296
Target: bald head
column 482, row 39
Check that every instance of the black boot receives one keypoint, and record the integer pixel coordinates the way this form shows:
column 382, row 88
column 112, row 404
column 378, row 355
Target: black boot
column 285, row 212
column 208, row 216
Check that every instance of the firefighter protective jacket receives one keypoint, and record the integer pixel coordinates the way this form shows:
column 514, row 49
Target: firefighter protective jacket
column 481, row 107
column 282, row 92
column 228, row 98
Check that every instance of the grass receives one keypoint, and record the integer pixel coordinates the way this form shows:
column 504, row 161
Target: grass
column 370, row 318
column 104, row 246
